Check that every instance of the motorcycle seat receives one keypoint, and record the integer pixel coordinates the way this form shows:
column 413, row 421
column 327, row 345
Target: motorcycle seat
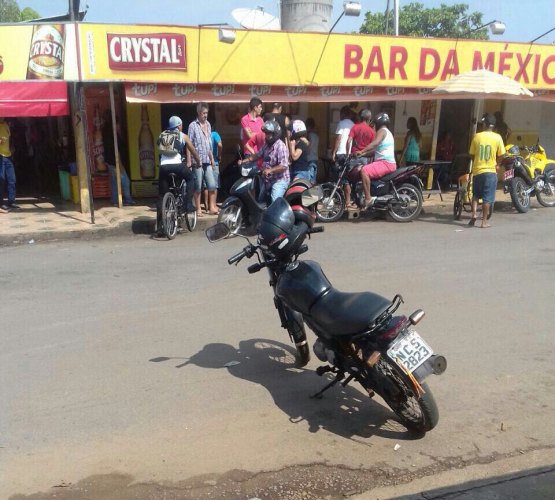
column 396, row 173
column 343, row 313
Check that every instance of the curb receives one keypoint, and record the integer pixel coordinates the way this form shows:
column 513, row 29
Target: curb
column 141, row 226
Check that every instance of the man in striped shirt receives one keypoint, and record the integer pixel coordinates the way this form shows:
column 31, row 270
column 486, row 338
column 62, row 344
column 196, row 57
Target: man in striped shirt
column 200, row 134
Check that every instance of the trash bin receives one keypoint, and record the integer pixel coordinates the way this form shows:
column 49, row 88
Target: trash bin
column 75, row 191
column 65, row 189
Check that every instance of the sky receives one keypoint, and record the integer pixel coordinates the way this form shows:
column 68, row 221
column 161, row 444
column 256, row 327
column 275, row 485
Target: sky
column 525, row 20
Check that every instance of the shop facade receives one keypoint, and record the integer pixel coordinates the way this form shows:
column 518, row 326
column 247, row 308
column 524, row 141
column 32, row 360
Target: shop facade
column 137, row 76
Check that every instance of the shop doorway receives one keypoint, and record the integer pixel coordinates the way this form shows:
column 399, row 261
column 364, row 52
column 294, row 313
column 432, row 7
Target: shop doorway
column 456, row 117
column 41, row 145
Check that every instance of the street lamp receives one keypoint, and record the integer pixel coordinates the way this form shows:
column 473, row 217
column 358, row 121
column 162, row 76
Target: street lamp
column 349, row 9
column 541, row 36
column 496, row 28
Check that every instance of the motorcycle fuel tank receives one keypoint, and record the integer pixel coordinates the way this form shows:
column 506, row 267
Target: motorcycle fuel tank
column 302, row 284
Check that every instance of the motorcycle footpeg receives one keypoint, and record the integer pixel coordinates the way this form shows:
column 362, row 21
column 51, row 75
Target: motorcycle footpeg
column 323, row 369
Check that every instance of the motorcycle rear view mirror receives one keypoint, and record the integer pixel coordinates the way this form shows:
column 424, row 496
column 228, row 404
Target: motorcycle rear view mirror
column 217, row 232
column 312, row 196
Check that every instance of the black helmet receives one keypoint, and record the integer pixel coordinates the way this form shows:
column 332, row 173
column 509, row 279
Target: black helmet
column 279, row 232
column 488, row 120
column 382, row 120
column 304, row 214
column 272, row 130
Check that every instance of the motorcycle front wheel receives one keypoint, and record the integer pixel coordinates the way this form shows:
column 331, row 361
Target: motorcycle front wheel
column 546, row 196
column 409, row 206
column 417, row 414
column 232, row 217
column 330, row 208
column 519, row 196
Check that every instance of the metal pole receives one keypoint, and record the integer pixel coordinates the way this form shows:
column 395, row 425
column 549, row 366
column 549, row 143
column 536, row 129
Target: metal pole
column 396, row 16
column 116, row 147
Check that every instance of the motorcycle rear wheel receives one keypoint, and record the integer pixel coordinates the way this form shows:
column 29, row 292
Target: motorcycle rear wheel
column 330, row 209
column 409, row 207
column 545, row 196
column 519, row 196
column 417, row 414
column 232, row 217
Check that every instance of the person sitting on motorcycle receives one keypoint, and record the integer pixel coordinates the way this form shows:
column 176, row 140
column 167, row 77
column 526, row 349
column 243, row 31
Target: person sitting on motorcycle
column 275, row 166
column 383, row 147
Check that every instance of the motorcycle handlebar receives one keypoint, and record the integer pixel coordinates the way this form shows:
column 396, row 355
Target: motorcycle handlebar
column 237, row 257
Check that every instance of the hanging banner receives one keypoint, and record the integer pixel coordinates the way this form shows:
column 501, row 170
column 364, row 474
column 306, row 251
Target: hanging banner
column 190, row 92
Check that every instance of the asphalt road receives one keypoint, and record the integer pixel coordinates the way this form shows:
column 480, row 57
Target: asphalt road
column 113, row 382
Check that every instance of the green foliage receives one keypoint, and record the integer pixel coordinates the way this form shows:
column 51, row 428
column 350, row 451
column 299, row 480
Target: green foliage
column 11, row 13
column 445, row 21
column 28, row 14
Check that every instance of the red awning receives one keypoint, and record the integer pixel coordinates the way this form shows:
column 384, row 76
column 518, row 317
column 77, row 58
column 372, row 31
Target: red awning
column 33, row 99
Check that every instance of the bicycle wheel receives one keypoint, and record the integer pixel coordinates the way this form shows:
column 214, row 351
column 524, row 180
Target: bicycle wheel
column 191, row 220
column 457, row 206
column 169, row 216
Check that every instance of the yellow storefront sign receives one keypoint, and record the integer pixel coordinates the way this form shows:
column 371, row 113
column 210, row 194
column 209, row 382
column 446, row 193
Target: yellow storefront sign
column 152, row 53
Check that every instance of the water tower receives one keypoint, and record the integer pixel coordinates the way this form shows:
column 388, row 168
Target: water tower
column 306, row 15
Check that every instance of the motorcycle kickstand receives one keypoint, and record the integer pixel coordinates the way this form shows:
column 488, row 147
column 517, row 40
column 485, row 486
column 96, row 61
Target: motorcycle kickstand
column 337, row 379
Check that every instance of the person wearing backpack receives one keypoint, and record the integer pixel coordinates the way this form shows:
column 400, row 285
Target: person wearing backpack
column 172, row 145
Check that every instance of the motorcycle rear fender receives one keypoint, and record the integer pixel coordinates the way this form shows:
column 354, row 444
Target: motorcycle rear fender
column 416, row 182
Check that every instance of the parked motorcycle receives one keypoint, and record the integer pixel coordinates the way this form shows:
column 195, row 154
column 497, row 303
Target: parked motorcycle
column 358, row 335
column 242, row 211
column 528, row 172
column 398, row 193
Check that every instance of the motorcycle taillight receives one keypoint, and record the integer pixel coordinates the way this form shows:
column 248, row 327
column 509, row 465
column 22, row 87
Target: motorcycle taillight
column 393, row 328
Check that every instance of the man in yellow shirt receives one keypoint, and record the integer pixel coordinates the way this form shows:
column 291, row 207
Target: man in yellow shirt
column 486, row 150
column 7, row 171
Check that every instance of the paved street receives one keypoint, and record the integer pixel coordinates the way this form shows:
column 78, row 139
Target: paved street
column 113, row 381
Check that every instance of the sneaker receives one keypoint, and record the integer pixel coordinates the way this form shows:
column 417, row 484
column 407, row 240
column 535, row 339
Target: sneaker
column 14, row 206
column 5, row 207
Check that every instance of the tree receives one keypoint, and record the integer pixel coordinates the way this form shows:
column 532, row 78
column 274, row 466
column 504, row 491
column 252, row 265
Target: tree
column 28, row 14
column 11, row 13
column 446, row 21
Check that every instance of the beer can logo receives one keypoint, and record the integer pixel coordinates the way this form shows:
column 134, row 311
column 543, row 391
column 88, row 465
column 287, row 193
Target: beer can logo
column 46, row 57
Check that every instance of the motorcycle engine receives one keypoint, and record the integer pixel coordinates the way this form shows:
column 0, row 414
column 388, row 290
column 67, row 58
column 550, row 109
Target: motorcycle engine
column 323, row 353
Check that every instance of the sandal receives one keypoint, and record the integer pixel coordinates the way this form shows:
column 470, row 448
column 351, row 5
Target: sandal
column 472, row 221
column 200, row 214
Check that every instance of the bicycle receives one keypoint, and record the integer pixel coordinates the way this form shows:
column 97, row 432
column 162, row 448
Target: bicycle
column 174, row 210
column 463, row 198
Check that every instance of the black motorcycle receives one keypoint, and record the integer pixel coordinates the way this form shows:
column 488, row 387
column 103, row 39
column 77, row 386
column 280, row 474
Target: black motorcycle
column 241, row 211
column 399, row 193
column 359, row 337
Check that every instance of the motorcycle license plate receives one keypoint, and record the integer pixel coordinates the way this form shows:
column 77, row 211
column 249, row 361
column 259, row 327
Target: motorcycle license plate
column 509, row 174
column 411, row 350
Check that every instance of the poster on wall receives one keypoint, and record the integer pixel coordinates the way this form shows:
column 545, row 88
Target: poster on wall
column 143, row 128
column 427, row 113
column 38, row 52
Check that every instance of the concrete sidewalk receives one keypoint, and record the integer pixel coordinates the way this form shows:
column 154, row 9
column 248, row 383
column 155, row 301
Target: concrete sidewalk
column 46, row 220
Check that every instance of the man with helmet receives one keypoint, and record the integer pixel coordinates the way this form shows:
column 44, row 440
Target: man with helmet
column 383, row 148
column 174, row 164
column 275, row 162
column 486, row 150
